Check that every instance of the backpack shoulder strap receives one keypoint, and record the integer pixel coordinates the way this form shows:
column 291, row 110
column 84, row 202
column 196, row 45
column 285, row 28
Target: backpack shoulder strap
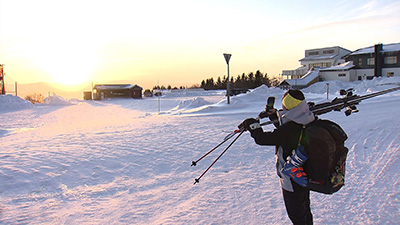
column 301, row 134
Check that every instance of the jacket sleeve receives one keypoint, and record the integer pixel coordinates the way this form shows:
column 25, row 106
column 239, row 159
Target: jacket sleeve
column 279, row 136
column 265, row 138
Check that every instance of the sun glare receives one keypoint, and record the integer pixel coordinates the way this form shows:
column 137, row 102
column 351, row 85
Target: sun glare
column 69, row 65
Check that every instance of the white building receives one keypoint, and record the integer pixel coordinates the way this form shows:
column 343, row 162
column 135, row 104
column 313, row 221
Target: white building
column 318, row 58
column 337, row 63
column 343, row 72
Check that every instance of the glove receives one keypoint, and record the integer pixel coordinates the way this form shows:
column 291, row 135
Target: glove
column 294, row 166
column 249, row 124
column 263, row 114
column 267, row 113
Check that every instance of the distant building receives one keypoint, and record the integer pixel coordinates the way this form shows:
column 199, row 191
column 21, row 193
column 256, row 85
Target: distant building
column 317, row 58
column 102, row 91
column 343, row 72
column 337, row 63
column 87, row 95
column 375, row 61
column 148, row 93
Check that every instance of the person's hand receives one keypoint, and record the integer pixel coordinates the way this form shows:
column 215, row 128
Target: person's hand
column 249, row 124
column 271, row 111
column 267, row 113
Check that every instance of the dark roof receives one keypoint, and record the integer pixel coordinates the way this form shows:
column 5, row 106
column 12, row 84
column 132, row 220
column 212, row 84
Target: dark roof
column 115, row 86
column 371, row 49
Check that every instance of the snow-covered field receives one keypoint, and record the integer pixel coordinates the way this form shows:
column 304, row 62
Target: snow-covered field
column 121, row 161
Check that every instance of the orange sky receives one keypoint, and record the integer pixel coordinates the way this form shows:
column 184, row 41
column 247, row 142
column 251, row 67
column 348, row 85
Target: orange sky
column 178, row 42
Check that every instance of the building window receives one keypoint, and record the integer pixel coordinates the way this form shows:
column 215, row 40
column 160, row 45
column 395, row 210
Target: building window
column 341, row 75
column 320, row 65
column 317, row 65
column 390, row 74
column 313, row 53
column 360, row 62
column 371, row 61
column 328, row 51
column 391, row 60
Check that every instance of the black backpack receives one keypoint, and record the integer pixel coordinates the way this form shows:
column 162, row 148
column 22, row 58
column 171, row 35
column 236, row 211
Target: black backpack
column 326, row 164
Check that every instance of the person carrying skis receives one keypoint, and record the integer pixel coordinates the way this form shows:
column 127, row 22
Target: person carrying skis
column 290, row 155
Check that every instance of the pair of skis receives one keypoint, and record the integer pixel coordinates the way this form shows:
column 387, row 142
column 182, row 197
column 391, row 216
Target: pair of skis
column 348, row 102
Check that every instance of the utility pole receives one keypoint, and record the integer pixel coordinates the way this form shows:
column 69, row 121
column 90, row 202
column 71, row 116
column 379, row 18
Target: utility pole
column 3, row 89
column 227, row 58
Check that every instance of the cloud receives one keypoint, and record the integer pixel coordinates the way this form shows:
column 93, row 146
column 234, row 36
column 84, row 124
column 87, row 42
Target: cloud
column 368, row 16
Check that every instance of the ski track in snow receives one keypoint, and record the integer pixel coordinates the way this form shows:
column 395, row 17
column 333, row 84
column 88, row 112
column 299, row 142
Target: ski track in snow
column 121, row 162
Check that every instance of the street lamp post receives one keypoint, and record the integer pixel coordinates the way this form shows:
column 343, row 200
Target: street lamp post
column 327, row 91
column 227, row 58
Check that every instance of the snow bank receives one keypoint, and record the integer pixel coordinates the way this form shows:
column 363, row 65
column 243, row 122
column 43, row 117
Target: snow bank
column 360, row 87
column 192, row 103
column 186, row 105
column 9, row 103
column 56, row 100
column 261, row 93
column 190, row 93
column 12, row 103
column 242, row 103
column 256, row 98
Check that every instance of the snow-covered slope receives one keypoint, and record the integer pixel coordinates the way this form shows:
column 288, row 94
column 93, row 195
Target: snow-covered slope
column 123, row 162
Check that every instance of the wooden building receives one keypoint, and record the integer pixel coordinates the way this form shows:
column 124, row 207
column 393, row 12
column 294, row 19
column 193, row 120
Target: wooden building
column 102, row 91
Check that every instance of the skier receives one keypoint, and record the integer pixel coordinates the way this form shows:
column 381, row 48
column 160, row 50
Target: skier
column 290, row 155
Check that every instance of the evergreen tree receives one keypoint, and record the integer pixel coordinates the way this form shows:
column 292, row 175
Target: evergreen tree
column 245, row 81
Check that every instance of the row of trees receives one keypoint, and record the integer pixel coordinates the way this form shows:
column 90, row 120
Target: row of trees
column 244, row 81
column 169, row 87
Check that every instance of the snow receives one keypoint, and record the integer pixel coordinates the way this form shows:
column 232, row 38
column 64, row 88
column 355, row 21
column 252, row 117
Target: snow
column 344, row 66
column 56, row 100
column 121, row 161
column 306, row 79
column 386, row 48
column 11, row 103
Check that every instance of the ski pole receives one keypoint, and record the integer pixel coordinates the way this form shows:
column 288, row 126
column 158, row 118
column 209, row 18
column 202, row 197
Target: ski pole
column 198, row 179
column 194, row 163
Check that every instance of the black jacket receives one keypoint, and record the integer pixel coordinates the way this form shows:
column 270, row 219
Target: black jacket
column 287, row 136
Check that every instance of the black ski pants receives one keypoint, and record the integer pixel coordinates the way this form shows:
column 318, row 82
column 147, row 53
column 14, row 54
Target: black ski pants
column 298, row 205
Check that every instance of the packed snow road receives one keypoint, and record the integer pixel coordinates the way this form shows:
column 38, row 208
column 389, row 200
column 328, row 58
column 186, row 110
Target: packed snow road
column 122, row 162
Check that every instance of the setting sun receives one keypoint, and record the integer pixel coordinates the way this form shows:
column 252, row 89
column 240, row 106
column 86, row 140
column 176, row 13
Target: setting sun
column 72, row 63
